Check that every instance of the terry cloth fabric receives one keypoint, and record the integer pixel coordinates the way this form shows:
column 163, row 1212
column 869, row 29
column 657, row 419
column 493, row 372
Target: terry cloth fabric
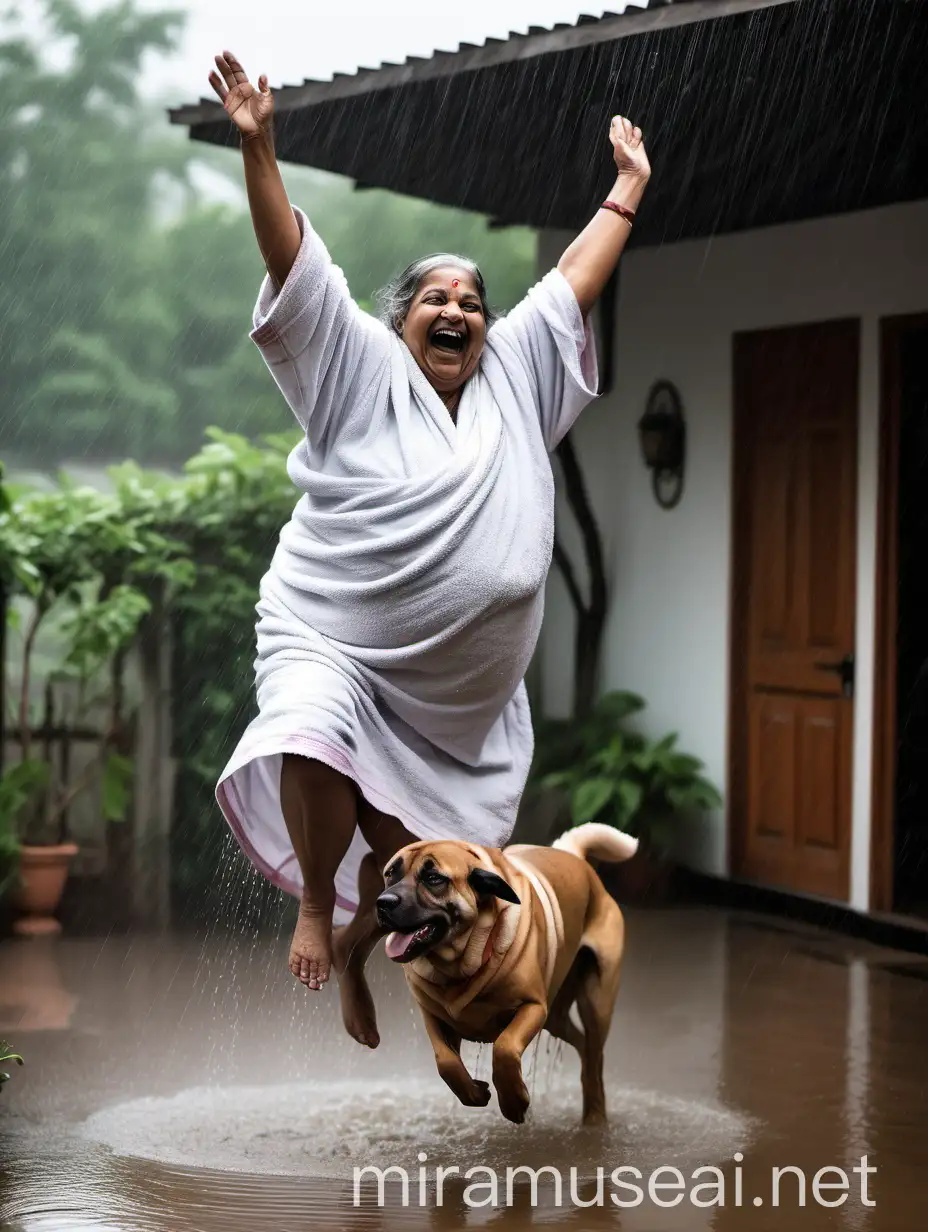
column 404, row 599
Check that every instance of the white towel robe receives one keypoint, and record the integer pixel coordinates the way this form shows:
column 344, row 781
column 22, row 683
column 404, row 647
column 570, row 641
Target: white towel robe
column 404, row 600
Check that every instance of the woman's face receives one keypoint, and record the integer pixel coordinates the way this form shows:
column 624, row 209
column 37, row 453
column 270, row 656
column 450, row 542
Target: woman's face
column 445, row 328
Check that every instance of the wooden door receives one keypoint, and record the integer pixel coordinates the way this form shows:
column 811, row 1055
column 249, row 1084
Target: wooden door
column 795, row 484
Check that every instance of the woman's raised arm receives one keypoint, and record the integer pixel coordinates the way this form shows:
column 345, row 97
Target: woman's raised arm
column 594, row 254
column 252, row 112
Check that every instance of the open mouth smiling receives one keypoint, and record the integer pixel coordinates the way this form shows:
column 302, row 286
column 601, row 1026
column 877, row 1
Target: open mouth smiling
column 403, row 947
column 450, row 340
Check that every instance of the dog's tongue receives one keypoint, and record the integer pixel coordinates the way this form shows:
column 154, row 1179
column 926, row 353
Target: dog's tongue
column 397, row 944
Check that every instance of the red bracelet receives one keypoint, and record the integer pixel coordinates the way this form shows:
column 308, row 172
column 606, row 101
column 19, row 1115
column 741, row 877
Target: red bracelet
column 622, row 210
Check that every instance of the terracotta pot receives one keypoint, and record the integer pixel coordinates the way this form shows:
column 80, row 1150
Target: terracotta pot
column 43, row 872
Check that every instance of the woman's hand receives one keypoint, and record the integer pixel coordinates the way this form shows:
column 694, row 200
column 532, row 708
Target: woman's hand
column 250, row 110
column 594, row 254
column 628, row 149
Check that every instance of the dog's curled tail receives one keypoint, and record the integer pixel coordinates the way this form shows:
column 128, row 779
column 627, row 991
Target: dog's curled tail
column 599, row 841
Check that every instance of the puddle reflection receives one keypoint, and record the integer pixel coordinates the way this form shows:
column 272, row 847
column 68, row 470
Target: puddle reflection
column 33, row 993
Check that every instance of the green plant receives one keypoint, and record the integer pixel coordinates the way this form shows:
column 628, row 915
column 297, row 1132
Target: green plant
column 609, row 772
column 83, row 564
column 85, row 568
column 19, row 786
column 7, row 1055
column 237, row 495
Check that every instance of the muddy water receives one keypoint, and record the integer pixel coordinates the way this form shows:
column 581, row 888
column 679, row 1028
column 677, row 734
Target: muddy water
column 183, row 1083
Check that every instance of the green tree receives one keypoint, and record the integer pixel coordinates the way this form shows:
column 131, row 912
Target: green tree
column 75, row 199
column 125, row 296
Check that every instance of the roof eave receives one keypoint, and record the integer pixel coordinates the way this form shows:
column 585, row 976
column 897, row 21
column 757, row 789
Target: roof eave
column 494, row 52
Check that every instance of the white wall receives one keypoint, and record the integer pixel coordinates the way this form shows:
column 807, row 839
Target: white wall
column 669, row 571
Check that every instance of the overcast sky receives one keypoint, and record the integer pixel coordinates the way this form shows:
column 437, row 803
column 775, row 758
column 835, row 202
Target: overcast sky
column 293, row 39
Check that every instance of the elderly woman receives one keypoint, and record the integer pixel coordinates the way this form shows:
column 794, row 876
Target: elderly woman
column 404, row 600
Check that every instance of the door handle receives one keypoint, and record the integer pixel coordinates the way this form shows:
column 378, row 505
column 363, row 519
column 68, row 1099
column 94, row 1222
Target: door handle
column 843, row 668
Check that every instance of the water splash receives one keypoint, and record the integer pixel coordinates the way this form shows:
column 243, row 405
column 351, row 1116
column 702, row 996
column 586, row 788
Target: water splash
column 326, row 1128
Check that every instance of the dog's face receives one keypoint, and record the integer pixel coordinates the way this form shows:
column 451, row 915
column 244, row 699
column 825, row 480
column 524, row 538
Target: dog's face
column 433, row 893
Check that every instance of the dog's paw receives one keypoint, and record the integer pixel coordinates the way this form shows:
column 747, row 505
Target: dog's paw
column 478, row 1096
column 513, row 1104
column 594, row 1117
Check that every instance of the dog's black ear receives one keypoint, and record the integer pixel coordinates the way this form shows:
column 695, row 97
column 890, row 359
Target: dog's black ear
column 483, row 882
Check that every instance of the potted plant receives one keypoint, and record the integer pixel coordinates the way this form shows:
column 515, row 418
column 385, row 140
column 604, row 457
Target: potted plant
column 35, row 795
column 56, row 547
column 21, row 785
column 605, row 770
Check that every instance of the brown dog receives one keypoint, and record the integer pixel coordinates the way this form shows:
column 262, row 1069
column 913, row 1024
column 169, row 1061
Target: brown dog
column 497, row 944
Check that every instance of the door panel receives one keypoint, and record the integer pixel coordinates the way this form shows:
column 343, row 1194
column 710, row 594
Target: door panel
column 772, row 770
column 795, row 459
column 822, row 770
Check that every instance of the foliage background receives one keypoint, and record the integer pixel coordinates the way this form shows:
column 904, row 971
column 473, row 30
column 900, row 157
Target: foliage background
column 203, row 539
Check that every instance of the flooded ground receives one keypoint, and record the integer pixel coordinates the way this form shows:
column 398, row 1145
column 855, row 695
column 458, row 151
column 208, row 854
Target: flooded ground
column 177, row 1083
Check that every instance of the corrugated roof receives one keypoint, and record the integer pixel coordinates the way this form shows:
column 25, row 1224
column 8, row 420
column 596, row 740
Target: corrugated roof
column 785, row 109
column 637, row 17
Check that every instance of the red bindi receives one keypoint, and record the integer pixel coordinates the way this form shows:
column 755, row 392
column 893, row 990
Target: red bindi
column 455, row 283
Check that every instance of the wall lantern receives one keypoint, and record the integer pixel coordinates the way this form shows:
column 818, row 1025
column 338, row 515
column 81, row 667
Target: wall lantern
column 662, row 432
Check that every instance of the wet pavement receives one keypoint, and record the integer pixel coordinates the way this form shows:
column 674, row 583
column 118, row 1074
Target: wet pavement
column 186, row 1083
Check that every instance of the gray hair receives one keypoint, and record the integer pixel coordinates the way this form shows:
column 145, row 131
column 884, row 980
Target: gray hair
column 397, row 296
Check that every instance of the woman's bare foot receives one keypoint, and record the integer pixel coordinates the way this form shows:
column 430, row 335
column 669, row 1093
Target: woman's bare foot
column 311, row 948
